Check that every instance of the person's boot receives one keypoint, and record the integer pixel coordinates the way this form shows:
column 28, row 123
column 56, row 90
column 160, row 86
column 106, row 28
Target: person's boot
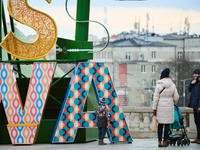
column 159, row 144
column 164, row 144
column 195, row 141
column 103, row 143
column 100, row 142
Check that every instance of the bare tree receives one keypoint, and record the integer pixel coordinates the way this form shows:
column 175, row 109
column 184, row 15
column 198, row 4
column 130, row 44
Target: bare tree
column 181, row 73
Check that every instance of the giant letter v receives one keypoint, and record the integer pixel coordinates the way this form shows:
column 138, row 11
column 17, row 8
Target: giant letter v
column 23, row 122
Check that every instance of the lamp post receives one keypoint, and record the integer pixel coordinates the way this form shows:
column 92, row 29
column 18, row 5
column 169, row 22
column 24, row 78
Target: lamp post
column 149, row 90
column 183, row 92
column 125, row 96
column 184, row 89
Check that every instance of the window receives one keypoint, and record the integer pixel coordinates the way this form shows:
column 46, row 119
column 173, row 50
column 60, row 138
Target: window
column 179, row 55
column 143, row 83
column 199, row 55
column 153, row 54
column 128, row 56
column 192, row 55
column 100, row 55
column 97, row 55
column 143, row 97
column 143, row 68
column 153, row 82
column 141, row 57
column 103, row 55
column 153, row 68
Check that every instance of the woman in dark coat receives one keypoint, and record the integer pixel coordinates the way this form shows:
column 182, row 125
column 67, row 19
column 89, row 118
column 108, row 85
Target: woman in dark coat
column 103, row 118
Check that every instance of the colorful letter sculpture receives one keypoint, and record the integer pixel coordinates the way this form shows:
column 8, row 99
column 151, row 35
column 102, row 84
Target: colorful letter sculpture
column 72, row 117
column 24, row 122
column 43, row 24
column 0, row 98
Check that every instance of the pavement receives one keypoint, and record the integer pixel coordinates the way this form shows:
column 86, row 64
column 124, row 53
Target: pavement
column 137, row 144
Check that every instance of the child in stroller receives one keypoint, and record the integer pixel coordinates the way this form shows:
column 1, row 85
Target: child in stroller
column 181, row 139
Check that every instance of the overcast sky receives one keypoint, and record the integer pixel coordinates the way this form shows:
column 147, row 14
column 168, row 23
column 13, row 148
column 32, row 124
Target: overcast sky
column 165, row 15
column 181, row 4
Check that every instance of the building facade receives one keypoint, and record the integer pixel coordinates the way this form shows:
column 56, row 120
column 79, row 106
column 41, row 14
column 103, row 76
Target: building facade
column 135, row 64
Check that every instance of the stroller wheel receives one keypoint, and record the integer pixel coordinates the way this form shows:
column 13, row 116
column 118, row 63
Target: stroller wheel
column 174, row 142
column 185, row 142
column 168, row 142
column 188, row 142
column 178, row 142
column 182, row 143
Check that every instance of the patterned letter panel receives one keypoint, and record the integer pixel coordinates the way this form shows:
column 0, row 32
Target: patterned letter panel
column 72, row 116
column 24, row 121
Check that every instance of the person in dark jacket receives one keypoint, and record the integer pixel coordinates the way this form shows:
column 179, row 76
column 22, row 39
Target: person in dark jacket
column 194, row 102
column 103, row 118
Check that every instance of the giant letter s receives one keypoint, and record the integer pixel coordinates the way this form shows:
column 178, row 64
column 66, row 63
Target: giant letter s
column 41, row 22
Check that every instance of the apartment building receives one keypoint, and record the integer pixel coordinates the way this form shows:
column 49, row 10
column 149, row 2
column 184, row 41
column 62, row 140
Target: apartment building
column 135, row 64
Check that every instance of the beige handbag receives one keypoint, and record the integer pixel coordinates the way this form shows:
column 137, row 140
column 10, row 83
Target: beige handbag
column 154, row 124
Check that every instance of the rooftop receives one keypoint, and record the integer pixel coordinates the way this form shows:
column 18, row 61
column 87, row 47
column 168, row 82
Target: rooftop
column 135, row 43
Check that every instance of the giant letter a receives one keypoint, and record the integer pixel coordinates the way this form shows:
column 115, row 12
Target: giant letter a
column 72, row 116
column 23, row 122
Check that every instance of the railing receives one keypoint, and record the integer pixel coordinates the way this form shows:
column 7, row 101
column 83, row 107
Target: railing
column 139, row 121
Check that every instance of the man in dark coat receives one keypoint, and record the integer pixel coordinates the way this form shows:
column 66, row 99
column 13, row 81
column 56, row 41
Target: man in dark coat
column 103, row 118
column 194, row 88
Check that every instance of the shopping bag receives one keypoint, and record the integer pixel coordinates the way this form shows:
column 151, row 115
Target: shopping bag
column 154, row 124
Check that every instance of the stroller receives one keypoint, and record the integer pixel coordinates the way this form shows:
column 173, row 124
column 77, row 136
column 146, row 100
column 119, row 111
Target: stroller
column 181, row 139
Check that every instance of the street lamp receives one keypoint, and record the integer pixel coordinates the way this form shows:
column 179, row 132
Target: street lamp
column 184, row 89
column 149, row 90
column 125, row 96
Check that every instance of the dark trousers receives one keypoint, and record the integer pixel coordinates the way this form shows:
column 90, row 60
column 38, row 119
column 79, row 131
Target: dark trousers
column 197, row 122
column 160, row 130
column 102, row 132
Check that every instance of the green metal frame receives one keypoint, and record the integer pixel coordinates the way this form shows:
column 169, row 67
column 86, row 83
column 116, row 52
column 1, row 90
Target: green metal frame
column 58, row 88
column 32, row 61
column 67, row 45
column 83, row 7
column 53, row 84
column 83, row 11
column 5, row 26
column 1, row 5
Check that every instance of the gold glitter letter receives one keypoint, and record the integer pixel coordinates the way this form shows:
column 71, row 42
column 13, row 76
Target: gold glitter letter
column 43, row 24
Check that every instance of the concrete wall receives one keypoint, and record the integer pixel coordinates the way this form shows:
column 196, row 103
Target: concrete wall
column 139, row 122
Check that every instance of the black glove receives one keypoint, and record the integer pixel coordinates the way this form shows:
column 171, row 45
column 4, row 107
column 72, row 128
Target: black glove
column 111, row 122
column 198, row 79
